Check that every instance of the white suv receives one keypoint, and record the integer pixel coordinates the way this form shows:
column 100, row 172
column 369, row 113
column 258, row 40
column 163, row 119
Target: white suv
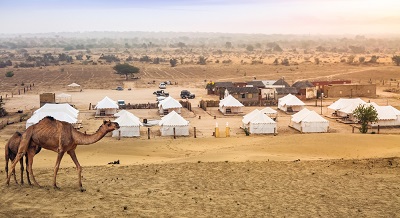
column 162, row 85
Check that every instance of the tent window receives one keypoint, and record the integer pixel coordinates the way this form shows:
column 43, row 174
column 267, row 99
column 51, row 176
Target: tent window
column 102, row 112
column 228, row 111
column 243, row 95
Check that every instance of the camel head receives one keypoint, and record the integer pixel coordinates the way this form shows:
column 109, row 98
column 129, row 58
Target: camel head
column 110, row 126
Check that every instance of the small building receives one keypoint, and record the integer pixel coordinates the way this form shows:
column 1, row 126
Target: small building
column 308, row 121
column 45, row 98
column 63, row 98
column 173, row 123
column 74, row 87
column 350, row 90
column 230, row 105
column 387, row 116
column 256, row 83
column 290, row 103
column 305, row 89
column 129, row 125
column 243, row 94
column 259, row 123
column 281, row 92
column 106, row 107
column 168, row 105
column 219, row 88
column 320, row 84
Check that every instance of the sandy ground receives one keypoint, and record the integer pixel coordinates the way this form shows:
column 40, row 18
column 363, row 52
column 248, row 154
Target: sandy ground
column 339, row 174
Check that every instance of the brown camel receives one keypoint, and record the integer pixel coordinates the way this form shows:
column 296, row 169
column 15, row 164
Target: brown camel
column 11, row 150
column 60, row 137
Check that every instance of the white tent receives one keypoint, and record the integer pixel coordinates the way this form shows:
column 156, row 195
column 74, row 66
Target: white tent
column 290, row 103
column 174, row 121
column 270, row 112
column 123, row 112
column 168, row 105
column 259, row 123
column 60, row 98
column 230, row 105
column 61, row 116
column 344, row 107
column 74, row 86
column 387, row 116
column 129, row 125
column 64, row 108
column 106, row 107
column 309, row 121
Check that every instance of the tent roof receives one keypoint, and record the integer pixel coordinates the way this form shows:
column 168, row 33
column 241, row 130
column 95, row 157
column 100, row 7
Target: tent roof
column 261, row 118
column 291, row 100
column 169, row 102
column 106, row 103
column 62, row 108
column 74, row 85
column 308, row 116
column 173, row 119
column 56, row 115
column 230, row 101
column 123, row 112
column 249, row 116
column 268, row 110
column 385, row 112
column 127, row 120
column 344, row 102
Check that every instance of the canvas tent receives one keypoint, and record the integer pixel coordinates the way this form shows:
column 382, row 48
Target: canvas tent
column 61, row 116
column 259, row 123
column 344, row 107
column 63, row 98
column 74, row 87
column 168, row 105
column 230, row 105
column 174, row 121
column 129, row 125
column 106, row 107
column 290, row 103
column 270, row 112
column 309, row 121
column 387, row 116
column 62, row 112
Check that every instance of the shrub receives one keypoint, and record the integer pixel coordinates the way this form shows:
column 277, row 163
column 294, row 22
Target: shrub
column 9, row 74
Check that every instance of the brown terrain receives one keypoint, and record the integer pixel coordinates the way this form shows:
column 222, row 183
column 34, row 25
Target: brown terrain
column 335, row 174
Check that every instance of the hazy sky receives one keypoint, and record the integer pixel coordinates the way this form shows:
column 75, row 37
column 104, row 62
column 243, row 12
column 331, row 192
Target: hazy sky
column 232, row 16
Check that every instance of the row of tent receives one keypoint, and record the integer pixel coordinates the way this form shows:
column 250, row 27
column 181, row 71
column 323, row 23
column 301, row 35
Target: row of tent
column 108, row 107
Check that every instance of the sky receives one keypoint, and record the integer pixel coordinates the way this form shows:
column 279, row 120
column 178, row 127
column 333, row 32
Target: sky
column 223, row 16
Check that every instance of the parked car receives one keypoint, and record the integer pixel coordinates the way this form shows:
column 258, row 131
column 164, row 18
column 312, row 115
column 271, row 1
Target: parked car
column 119, row 88
column 121, row 102
column 162, row 85
column 161, row 93
column 186, row 94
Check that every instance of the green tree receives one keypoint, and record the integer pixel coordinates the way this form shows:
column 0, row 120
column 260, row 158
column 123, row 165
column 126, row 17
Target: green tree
column 9, row 74
column 396, row 60
column 126, row 69
column 365, row 114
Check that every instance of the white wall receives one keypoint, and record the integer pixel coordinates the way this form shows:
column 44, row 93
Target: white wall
column 179, row 130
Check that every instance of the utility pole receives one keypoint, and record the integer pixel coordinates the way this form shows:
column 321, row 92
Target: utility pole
column 322, row 95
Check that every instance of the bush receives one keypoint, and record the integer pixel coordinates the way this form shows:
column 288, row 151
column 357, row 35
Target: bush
column 9, row 74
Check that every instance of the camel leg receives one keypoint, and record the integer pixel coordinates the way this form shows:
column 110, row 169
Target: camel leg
column 14, row 163
column 27, row 170
column 21, row 163
column 15, row 177
column 59, row 157
column 31, row 154
column 78, row 168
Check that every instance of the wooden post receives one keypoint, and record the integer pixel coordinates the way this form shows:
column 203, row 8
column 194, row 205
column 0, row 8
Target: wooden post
column 148, row 133
column 174, row 133
column 378, row 129
column 353, row 129
column 19, row 91
column 119, row 134
column 90, row 106
column 194, row 132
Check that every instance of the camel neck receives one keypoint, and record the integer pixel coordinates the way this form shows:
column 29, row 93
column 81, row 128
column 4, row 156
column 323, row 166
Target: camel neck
column 86, row 139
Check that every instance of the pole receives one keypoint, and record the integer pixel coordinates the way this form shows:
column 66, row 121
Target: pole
column 194, row 132
column 174, row 133
column 322, row 95
column 148, row 133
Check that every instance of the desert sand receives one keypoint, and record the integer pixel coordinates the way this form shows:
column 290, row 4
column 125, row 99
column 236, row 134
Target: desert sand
column 339, row 174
